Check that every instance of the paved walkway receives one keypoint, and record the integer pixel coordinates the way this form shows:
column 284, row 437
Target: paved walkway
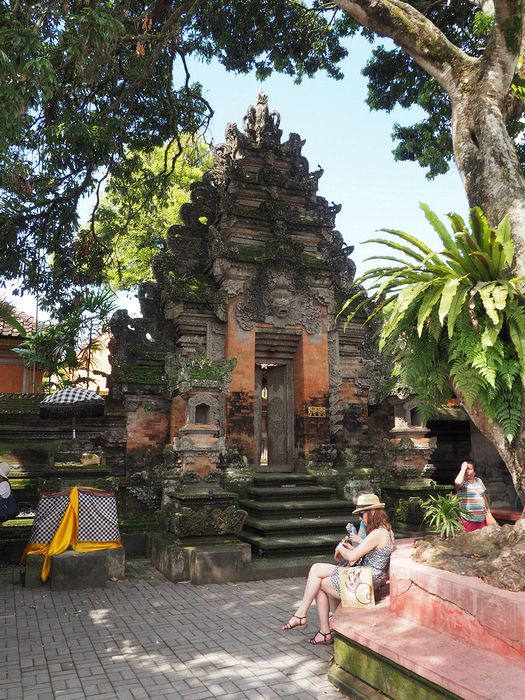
column 148, row 638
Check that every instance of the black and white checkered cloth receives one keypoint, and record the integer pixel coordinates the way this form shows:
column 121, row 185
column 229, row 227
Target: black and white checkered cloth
column 48, row 516
column 73, row 401
column 97, row 517
column 74, row 394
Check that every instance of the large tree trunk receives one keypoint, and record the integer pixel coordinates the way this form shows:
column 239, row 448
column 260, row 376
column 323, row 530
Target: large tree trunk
column 488, row 164
column 481, row 100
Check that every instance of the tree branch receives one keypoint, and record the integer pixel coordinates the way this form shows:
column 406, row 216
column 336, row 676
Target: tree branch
column 415, row 34
column 503, row 48
column 170, row 29
column 488, row 428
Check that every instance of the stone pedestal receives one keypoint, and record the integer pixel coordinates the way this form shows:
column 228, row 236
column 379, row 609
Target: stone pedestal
column 199, row 447
column 73, row 570
column 410, row 483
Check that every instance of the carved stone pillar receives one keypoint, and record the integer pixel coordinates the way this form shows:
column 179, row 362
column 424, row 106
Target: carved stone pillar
column 411, row 482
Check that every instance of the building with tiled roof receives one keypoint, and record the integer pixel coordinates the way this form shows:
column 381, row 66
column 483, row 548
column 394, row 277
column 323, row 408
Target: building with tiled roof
column 16, row 376
column 8, row 331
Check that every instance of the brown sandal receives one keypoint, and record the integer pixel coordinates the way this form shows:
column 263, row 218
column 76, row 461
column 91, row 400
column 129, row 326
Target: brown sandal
column 288, row 626
column 328, row 638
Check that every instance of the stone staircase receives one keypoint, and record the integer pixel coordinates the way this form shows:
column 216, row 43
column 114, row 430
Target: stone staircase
column 291, row 515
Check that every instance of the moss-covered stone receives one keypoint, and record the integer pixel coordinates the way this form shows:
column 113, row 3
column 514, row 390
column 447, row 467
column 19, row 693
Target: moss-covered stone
column 140, row 374
column 380, row 673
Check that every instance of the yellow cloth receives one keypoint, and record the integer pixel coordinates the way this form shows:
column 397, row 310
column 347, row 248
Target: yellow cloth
column 65, row 537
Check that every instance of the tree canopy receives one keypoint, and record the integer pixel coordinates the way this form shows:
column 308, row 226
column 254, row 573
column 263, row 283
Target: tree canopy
column 132, row 226
column 84, row 83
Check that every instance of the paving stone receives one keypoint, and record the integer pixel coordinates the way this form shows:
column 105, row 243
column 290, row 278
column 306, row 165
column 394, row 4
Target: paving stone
column 149, row 638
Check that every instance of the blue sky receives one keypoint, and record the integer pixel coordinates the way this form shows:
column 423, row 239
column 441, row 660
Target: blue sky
column 351, row 143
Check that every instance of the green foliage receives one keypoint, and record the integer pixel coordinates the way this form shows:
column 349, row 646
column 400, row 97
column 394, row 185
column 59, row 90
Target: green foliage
column 8, row 314
column 442, row 513
column 140, row 374
column 84, row 84
column 483, row 24
column 61, row 348
column 133, row 226
column 453, row 321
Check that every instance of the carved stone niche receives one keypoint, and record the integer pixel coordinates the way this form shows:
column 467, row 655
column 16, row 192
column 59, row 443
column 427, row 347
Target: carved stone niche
column 199, row 443
column 204, row 409
column 412, row 449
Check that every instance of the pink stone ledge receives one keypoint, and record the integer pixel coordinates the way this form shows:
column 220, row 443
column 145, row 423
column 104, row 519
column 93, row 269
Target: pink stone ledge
column 452, row 659
column 464, row 607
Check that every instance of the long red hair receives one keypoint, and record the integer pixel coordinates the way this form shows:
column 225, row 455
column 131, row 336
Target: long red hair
column 377, row 518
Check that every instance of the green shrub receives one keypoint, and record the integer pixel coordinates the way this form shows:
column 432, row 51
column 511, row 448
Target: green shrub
column 443, row 514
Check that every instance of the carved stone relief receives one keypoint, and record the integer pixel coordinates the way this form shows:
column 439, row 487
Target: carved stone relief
column 262, row 124
column 275, row 298
column 216, row 336
column 336, row 402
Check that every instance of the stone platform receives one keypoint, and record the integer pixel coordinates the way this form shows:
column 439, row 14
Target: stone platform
column 75, row 570
column 440, row 635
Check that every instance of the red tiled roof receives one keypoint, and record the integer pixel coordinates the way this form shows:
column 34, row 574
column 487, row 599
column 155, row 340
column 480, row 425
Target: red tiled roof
column 28, row 322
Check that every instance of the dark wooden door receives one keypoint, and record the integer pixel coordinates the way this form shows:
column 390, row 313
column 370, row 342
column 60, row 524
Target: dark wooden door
column 280, row 418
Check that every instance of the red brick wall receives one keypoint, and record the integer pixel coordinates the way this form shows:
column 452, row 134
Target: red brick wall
column 240, row 405
column 13, row 369
column 147, row 431
column 311, row 388
column 177, row 416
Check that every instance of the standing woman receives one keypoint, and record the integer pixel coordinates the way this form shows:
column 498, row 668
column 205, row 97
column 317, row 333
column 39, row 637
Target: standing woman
column 322, row 584
column 472, row 496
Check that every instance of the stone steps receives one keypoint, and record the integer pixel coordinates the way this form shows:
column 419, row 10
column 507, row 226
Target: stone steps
column 303, row 525
column 306, row 508
column 289, row 491
column 290, row 515
column 298, row 544
column 280, row 478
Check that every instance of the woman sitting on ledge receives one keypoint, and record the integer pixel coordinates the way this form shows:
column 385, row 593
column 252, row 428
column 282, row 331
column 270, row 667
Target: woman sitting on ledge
column 322, row 584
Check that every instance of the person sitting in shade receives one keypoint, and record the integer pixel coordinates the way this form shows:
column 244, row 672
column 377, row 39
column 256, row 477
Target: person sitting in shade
column 322, row 584
column 472, row 496
column 5, row 490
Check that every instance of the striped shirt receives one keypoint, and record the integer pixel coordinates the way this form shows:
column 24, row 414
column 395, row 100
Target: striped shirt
column 472, row 497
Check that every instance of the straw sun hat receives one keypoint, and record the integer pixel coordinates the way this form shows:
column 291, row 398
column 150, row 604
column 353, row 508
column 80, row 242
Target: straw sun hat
column 368, row 501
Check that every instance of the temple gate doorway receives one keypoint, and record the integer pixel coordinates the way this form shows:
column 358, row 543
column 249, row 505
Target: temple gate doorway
column 275, row 352
column 274, row 417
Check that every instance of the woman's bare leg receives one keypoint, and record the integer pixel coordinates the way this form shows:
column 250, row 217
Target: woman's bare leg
column 316, row 575
column 325, row 600
column 323, row 610
column 333, row 598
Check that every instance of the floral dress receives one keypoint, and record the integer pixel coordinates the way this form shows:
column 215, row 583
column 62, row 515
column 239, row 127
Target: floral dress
column 378, row 560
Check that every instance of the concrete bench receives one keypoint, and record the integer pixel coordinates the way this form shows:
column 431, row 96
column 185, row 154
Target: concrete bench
column 440, row 635
column 74, row 570
column 401, row 659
